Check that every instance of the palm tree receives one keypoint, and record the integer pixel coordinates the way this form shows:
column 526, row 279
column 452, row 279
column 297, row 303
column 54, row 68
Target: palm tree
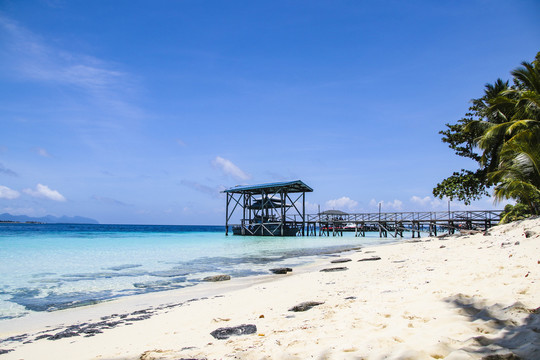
column 511, row 137
column 490, row 131
column 518, row 176
column 509, row 111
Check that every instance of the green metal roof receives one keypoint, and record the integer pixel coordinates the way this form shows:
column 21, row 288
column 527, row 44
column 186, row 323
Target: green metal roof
column 289, row 186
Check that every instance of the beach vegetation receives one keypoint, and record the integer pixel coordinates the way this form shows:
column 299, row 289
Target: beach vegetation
column 515, row 212
column 501, row 133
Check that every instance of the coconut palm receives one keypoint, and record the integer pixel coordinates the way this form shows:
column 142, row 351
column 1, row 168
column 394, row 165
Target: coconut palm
column 504, row 125
column 518, row 176
column 490, row 130
column 510, row 111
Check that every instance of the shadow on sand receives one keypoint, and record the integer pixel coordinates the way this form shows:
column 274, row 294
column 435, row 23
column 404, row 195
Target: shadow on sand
column 511, row 332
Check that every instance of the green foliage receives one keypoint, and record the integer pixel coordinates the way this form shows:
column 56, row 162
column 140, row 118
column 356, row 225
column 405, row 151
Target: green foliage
column 518, row 175
column 501, row 132
column 514, row 212
column 463, row 186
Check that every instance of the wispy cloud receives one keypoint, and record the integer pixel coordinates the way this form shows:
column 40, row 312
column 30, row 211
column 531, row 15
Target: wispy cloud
column 43, row 191
column 109, row 201
column 181, row 142
column 5, row 171
column 205, row 189
column 229, row 168
column 34, row 59
column 343, row 203
column 7, row 193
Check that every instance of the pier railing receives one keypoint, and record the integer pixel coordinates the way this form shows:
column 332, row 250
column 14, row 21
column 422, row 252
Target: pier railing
column 396, row 223
column 439, row 216
column 386, row 223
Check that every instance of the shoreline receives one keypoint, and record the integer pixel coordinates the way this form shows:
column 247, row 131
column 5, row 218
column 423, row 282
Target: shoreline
column 61, row 277
column 457, row 297
column 37, row 323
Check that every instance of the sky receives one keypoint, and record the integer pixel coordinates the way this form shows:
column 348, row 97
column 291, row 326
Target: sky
column 142, row 112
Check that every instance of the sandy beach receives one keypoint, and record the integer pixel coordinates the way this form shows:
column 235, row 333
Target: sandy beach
column 467, row 296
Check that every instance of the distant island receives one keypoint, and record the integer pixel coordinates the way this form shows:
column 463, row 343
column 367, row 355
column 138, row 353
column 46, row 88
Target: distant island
column 49, row 219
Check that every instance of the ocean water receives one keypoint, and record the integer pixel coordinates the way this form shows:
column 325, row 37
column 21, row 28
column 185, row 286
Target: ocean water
column 47, row 267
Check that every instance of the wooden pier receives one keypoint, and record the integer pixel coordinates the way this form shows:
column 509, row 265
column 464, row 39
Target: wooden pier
column 396, row 223
column 279, row 209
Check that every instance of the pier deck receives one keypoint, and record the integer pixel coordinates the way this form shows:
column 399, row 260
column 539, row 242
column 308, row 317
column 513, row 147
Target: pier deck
column 396, row 223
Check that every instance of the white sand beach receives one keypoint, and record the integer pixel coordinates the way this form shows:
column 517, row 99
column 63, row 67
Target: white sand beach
column 455, row 297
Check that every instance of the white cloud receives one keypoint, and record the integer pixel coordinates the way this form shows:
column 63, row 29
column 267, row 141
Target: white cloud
column 428, row 201
column 395, row 205
column 420, row 201
column 43, row 191
column 343, row 203
column 180, row 142
column 7, row 193
column 228, row 168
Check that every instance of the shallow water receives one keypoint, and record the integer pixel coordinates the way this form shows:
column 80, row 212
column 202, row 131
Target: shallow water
column 46, row 267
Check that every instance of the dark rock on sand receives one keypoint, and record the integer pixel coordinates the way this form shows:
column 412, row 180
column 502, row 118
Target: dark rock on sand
column 225, row 333
column 283, row 270
column 216, row 278
column 305, row 306
column 63, row 334
column 341, row 268
column 5, row 351
column 373, row 258
column 44, row 336
column 339, row 261
column 91, row 332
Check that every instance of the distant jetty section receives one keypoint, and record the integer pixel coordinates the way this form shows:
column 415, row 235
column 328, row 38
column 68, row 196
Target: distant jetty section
column 278, row 209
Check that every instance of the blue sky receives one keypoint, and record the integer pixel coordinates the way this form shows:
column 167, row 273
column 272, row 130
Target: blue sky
column 143, row 111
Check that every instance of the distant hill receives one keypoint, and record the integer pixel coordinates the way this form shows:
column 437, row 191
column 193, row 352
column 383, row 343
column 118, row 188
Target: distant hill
column 49, row 219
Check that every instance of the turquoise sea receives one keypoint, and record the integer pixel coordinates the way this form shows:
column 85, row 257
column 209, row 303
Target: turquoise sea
column 47, row 267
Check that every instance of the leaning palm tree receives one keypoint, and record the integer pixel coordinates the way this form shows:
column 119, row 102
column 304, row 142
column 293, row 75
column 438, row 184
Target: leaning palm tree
column 518, row 176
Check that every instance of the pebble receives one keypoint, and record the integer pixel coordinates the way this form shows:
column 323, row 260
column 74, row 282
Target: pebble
column 305, row 306
column 216, row 278
column 225, row 333
column 341, row 268
column 339, row 261
column 373, row 258
column 283, row 270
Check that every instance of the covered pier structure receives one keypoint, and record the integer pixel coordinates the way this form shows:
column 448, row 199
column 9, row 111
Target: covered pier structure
column 273, row 209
